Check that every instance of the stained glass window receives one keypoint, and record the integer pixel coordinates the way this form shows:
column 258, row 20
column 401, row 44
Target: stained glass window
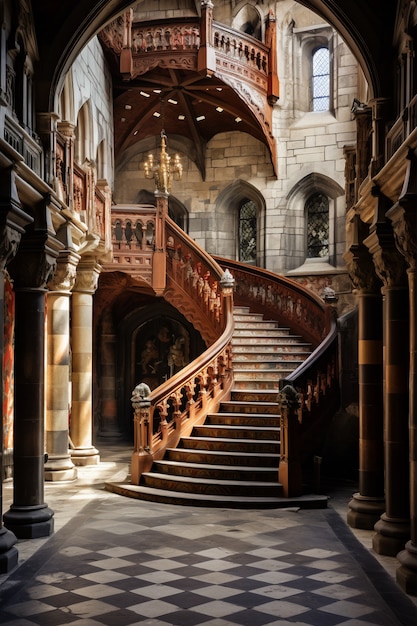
column 317, row 209
column 247, row 232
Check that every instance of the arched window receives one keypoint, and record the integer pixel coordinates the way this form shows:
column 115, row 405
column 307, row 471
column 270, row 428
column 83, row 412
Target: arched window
column 321, row 80
column 247, row 232
column 317, row 212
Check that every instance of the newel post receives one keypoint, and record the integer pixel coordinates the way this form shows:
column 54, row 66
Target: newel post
column 289, row 473
column 142, row 459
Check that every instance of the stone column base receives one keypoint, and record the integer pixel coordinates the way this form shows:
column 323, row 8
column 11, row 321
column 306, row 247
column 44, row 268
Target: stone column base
column 60, row 469
column 29, row 522
column 407, row 572
column 85, row 456
column 9, row 555
column 391, row 535
column 365, row 511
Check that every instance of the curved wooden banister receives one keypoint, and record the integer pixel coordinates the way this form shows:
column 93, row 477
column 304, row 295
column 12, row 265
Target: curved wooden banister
column 316, row 380
column 197, row 287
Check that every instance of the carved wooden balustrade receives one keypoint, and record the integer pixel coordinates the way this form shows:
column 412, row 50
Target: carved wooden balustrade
column 133, row 239
column 196, row 286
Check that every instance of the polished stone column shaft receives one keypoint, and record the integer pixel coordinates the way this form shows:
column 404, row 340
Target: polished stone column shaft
column 407, row 572
column 393, row 529
column 368, row 504
column 83, row 453
column 29, row 516
column 59, row 465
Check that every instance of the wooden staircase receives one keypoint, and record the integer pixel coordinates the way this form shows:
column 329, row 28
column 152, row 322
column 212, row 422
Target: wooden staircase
column 232, row 459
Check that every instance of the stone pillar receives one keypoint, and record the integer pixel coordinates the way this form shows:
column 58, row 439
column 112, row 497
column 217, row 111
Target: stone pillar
column 81, row 424
column 367, row 505
column 59, row 465
column 12, row 223
column 393, row 529
column 404, row 219
column 29, row 516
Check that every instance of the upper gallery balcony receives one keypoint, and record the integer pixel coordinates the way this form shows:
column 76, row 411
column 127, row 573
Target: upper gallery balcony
column 201, row 77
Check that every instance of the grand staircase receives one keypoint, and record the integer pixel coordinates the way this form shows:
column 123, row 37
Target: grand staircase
column 232, row 459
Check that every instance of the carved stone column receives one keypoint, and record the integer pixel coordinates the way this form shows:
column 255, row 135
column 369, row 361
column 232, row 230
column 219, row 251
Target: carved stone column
column 29, row 516
column 393, row 529
column 12, row 223
column 368, row 504
column 81, row 425
column 59, row 465
column 404, row 219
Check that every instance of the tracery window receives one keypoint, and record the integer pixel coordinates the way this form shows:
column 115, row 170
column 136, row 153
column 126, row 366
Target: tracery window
column 247, row 232
column 317, row 213
column 321, row 79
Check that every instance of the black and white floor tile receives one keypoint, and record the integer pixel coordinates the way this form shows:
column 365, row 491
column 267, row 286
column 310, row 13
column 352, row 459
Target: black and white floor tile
column 114, row 561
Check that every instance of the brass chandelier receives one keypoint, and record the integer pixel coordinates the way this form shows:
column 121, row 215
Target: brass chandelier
column 165, row 168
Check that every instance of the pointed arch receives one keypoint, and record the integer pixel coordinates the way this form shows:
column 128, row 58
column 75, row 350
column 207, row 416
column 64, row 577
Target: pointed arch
column 246, row 205
column 83, row 134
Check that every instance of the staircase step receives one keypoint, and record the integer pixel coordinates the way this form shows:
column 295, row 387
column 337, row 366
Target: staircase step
column 272, row 349
column 210, row 486
column 258, row 325
column 261, row 407
column 231, row 444
column 288, row 365
column 261, row 333
column 220, row 457
column 205, row 500
column 258, row 340
column 267, row 385
column 225, row 431
column 254, row 420
column 262, row 375
column 218, row 472
column 246, row 394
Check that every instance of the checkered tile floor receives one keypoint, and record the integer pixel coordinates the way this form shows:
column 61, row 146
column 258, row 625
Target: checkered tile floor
column 122, row 562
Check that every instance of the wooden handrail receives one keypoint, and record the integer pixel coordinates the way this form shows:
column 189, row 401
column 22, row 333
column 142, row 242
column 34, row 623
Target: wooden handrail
column 170, row 411
column 316, row 380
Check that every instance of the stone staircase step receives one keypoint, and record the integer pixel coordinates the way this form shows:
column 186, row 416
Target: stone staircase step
column 225, row 431
column 232, row 444
column 257, row 385
column 253, row 395
column 261, row 375
column 242, row 406
column 219, row 457
column 243, row 419
column 261, row 339
column 258, row 325
column 282, row 364
column 206, row 500
column 298, row 349
column 261, row 334
column 220, row 472
column 211, row 486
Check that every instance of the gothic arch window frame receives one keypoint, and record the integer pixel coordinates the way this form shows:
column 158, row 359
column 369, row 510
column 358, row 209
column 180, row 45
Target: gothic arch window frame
column 233, row 198
column 309, row 41
column 306, row 188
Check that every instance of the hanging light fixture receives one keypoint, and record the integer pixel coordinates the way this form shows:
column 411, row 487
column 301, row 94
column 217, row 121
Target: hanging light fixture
column 162, row 170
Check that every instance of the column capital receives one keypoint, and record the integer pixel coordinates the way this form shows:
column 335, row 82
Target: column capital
column 13, row 219
column 403, row 214
column 88, row 272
